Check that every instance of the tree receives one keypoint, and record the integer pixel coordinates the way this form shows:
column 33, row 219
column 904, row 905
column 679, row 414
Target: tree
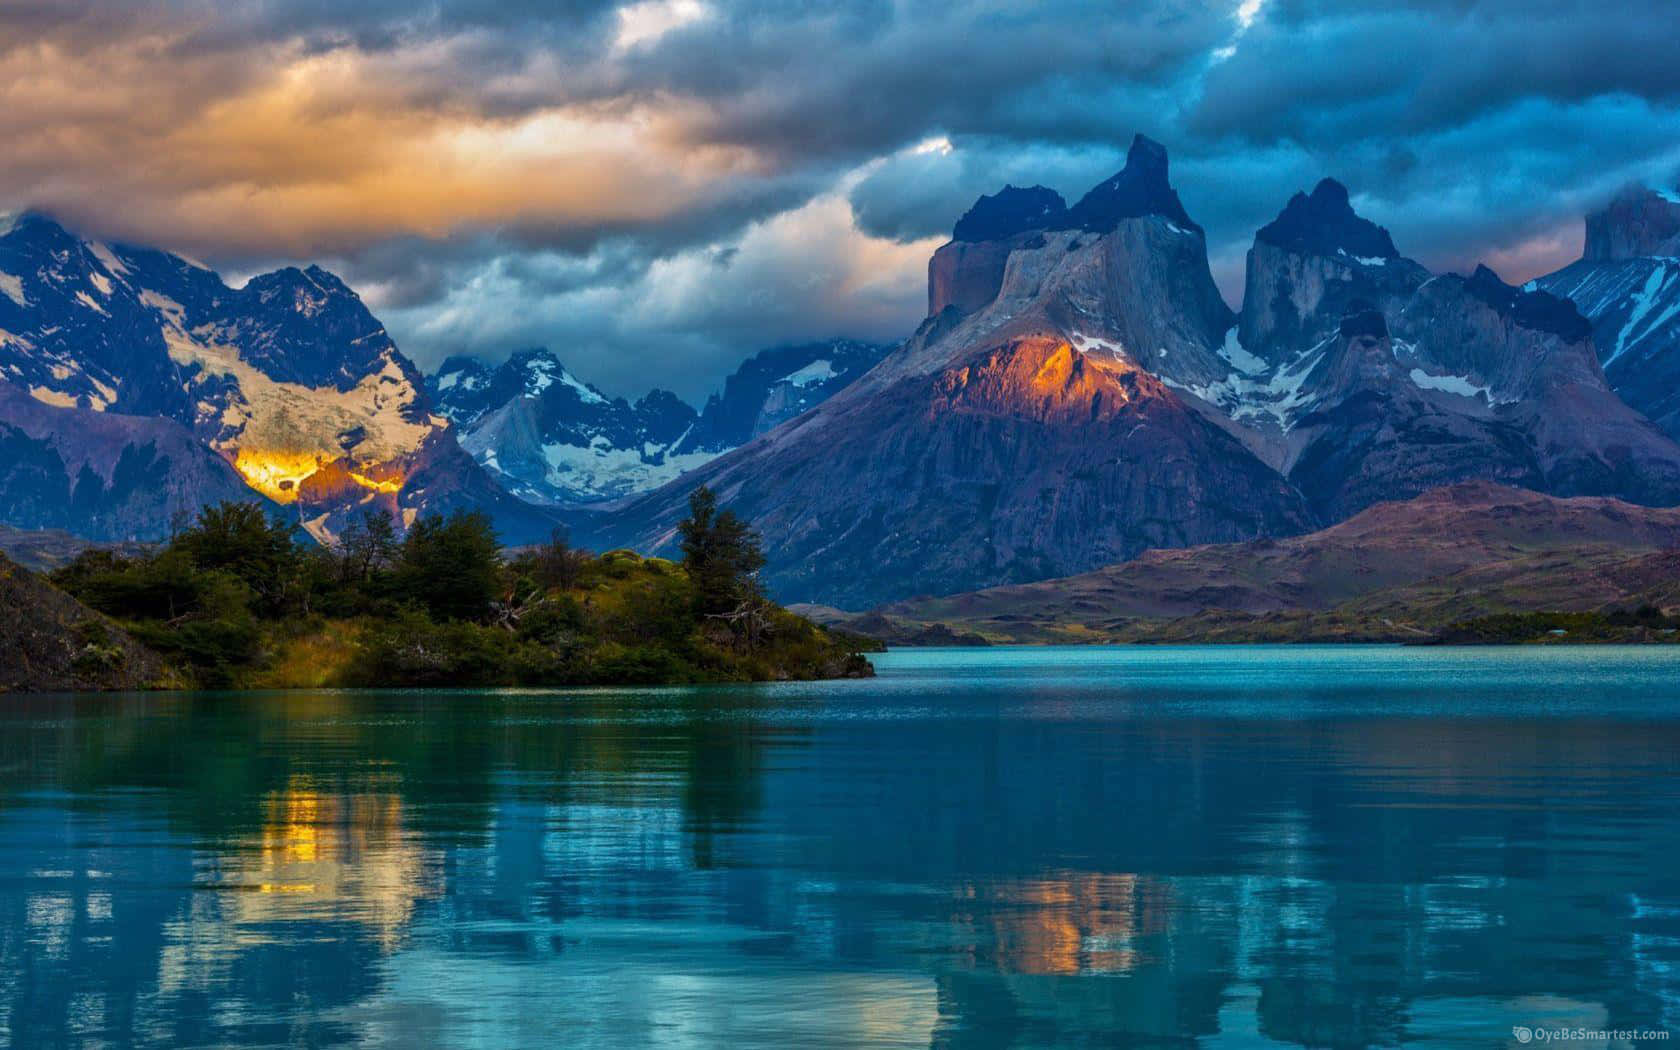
column 721, row 554
column 451, row 566
column 555, row 564
column 368, row 545
column 242, row 540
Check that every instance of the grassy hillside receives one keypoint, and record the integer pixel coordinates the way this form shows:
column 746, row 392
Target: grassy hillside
column 1397, row 572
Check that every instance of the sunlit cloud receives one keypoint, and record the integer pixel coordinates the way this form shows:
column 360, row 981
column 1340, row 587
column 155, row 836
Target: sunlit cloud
column 647, row 21
column 1244, row 16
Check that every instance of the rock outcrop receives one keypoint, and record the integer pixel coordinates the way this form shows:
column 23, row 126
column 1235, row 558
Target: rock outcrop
column 51, row 643
column 1638, row 223
column 1380, row 381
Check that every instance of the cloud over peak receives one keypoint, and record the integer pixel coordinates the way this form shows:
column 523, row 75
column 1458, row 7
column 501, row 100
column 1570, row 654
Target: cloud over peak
column 675, row 183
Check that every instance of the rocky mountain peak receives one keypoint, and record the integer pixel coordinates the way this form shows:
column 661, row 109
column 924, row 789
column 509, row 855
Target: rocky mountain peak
column 1010, row 211
column 36, row 226
column 1324, row 223
column 1540, row 311
column 1639, row 222
column 308, row 292
column 1140, row 188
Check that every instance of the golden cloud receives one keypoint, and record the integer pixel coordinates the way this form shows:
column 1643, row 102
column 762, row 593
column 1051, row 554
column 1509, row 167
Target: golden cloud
column 279, row 150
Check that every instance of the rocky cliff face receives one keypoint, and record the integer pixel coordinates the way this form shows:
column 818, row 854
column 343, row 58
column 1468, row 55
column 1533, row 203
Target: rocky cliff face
column 289, row 380
column 1628, row 285
column 1638, row 223
column 1310, row 266
column 50, row 642
column 1017, row 459
column 104, row 475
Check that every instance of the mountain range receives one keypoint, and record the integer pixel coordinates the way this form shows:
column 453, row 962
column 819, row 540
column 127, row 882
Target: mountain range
column 137, row 386
column 1078, row 394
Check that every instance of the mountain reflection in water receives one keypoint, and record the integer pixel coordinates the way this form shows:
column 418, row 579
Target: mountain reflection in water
column 1318, row 847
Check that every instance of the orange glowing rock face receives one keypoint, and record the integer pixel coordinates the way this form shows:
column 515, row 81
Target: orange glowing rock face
column 280, row 475
column 276, row 475
column 390, row 483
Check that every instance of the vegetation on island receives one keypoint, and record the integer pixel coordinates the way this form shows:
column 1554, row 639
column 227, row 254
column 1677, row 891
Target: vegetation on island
column 1644, row 624
column 241, row 600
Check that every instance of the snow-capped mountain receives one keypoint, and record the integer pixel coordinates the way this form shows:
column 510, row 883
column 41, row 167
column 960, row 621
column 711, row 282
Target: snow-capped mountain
column 289, row 379
column 1080, row 392
column 1627, row 283
column 553, row 438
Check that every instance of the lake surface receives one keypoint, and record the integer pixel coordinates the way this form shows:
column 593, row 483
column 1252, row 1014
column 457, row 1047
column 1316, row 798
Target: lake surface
column 1289, row 846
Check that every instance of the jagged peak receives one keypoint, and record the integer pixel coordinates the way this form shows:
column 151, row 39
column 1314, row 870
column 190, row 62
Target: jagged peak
column 307, row 279
column 1537, row 310
column 539, row 370
column 1140, row 188
column 1010, row 211
column 1324, row 223
column 664, row 401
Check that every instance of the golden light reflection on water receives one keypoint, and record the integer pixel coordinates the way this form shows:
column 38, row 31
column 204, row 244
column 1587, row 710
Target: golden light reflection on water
column 1065, row 923
column 319, row 857
column 345, row 857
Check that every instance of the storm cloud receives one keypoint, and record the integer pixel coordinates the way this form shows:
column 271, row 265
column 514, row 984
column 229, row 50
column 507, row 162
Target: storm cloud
column 656, row 189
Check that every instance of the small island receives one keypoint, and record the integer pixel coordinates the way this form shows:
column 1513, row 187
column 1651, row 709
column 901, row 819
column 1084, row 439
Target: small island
column 240, row 600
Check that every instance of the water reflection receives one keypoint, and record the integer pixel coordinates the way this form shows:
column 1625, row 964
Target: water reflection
column 1159, row 848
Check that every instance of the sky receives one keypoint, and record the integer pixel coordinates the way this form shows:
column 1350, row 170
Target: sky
column 657, row 189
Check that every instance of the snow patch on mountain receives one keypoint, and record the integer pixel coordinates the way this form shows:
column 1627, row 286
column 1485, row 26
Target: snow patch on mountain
column 819, row 371
column 1463, row 386
column 108, row 259
column 1257, row 394
column 603, row 470
column 1648, row 310
column 12, row 286
column 1086, row 344
column 264, row 417
column 1238, row 357
column 1363, row 260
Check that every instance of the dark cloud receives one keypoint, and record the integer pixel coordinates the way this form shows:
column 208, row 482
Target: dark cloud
column 658, row 188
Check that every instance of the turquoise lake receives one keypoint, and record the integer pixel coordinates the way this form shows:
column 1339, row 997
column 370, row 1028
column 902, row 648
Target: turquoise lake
column 1214, row 846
